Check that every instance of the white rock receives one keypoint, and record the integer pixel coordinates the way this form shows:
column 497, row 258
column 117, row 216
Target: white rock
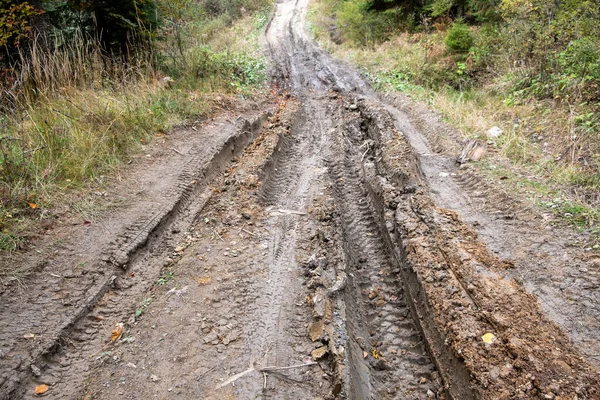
column 495, row 132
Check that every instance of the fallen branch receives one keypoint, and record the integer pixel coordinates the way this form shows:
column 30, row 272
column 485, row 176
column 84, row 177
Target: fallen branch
column 264, row 370
column 268, row 369
column 284, row 211
column 217, row 233
column 248, row 232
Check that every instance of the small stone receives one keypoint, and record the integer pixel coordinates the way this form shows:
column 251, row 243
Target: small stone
column 35, row 370
column 495, row 373
column 494, row 132
column 423, row 380
column 154, row 378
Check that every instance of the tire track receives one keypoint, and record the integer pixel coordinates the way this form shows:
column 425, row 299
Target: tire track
column 387, row 356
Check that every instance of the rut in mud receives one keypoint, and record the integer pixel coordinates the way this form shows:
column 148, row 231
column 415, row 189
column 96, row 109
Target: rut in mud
column 297, row 253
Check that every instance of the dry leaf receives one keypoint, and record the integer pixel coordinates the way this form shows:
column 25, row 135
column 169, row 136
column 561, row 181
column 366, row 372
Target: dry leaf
column 41, row 389
column 488, row 338
column 33, row 206
column 117, row 332
column 99, row 317
column 365, row 354
column 374, row 354
column 205, row 280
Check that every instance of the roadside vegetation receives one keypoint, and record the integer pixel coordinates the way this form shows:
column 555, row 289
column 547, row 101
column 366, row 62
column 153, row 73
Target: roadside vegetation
column 85, row 84
column 531, row 68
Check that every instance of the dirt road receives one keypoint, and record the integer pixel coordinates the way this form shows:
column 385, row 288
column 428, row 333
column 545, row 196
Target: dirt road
column 322, row 245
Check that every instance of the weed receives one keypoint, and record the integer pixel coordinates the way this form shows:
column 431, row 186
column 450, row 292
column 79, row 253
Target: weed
column 142, row 308
column 165, row 277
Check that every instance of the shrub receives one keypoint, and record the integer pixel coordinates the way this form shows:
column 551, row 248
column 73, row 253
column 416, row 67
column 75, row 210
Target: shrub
column 581, row 59
column 459, row 39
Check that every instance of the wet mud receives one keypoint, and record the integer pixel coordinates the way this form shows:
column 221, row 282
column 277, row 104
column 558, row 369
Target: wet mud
column 322, row 246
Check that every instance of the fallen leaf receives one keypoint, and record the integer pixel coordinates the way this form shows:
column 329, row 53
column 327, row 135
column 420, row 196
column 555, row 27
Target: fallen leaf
column 117, row 332
column 29, row 336
column 131, row 274
column 488, row 338
column 374, row 293
column 375, row 354
column 33, row 206
column 365, row 354
column 205, row 280
column 41, row 389
column 99, row 317
column 86, row 223
column 319, row 353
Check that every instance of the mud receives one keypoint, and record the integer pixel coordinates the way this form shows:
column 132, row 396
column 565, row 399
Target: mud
column 331, row 249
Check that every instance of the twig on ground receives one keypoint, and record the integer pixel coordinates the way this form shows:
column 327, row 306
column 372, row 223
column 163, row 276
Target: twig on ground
column 365, row 153
column 175, row 150
column 263, row 370
column 248, row 232
column 217, row 233
column 273, row 368
column 284, row 211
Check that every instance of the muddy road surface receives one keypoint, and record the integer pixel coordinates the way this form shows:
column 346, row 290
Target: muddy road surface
column 320, row 245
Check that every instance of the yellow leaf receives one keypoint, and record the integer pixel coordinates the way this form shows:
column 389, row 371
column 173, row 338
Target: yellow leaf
column 33, row 206
column 41, row 389
column 374, row 354
column 205, row 280
column 117, row 332
column 488, row 338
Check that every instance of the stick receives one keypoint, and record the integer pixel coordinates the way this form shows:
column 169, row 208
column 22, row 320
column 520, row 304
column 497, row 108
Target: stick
column 263, row 370
column 284, row 211
column 365, row 153
column 248, row 232
column 175, row 150
column 265, row 376
column 217, row 233
column 267, row 369
column 236, row 377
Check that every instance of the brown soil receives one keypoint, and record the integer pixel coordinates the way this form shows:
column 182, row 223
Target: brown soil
column 320, row 246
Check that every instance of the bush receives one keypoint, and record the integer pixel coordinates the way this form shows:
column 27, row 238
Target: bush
column 459, row 39
column 581, row 59
column 362, row 26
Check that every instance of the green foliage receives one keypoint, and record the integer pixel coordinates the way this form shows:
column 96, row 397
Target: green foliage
column 362, row 26
column 15, row 21
column 581, row 59
column 459, row 38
